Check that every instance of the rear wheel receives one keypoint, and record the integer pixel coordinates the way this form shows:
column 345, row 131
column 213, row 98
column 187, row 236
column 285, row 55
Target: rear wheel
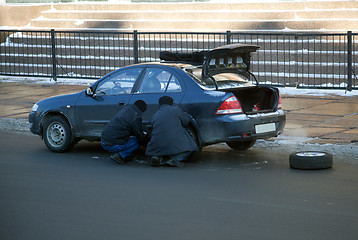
column 57, row 134
column 241, row 145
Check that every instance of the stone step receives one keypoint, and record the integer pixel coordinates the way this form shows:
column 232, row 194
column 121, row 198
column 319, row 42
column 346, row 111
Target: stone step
column 237, row 15
column 276, row 78
column 167, row 15
column 203, row 25
column 253, row 5
column 62, row 71
column 323, row 64
column 97, row 58
column 318, row 57
column 207, row 16
column 289, row 51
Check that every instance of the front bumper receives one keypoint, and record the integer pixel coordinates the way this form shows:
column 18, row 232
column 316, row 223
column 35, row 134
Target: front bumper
column 35, row 123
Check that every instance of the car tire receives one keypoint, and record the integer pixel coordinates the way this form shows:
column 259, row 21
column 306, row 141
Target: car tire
column 57, row 134
column 310, row 160
column 241, row 145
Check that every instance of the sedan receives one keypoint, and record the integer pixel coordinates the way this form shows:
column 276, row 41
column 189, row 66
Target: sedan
column 216, row 88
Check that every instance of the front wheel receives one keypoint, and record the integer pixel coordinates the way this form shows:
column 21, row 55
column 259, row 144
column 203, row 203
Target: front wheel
column 241, row 145
column 57, row 134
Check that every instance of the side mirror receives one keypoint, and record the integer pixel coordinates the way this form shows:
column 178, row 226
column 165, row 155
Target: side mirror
column 89, row 92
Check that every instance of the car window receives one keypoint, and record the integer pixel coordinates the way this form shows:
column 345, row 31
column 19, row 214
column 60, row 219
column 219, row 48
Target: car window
column 173, row 85
column 223, row 80
column 119, row 83
column 231, row 80
column 158, row 80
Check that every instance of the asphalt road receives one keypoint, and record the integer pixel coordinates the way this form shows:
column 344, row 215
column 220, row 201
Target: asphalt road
column 223, row 195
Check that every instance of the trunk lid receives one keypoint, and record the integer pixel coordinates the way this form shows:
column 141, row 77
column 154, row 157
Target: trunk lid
column 233, row 58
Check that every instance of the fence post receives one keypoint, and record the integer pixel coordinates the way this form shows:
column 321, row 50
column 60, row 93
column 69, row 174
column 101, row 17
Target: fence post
column 135, row 46
column 349, row 60
column 228, row 37
column 53, row 43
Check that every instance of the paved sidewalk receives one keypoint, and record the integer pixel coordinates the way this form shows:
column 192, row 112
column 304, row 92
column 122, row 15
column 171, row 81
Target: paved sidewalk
column 328, row 119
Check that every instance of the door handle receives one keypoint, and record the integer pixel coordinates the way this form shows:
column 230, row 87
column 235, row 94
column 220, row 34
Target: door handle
column 121, row 103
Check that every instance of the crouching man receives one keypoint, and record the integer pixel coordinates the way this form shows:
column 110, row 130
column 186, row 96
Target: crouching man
column 124, row 133
column 170, row 142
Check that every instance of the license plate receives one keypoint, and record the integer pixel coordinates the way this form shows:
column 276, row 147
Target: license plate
column 264, row 128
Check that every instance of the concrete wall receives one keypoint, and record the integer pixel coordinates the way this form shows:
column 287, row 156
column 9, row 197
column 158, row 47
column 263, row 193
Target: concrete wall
column 20, row 15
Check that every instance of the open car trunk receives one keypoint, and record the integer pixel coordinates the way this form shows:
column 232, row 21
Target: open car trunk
column 235, row 58
column 255, row 100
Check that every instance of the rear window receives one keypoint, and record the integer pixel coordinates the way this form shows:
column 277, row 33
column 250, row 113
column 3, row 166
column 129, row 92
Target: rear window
column 223, row 80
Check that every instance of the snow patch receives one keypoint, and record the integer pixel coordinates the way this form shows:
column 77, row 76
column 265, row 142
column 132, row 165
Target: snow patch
column 317, row 92
column 79, row 22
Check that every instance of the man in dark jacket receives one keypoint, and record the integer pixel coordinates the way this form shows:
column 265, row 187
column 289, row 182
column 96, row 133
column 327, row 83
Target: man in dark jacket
column 170, row 140
column 124, row 134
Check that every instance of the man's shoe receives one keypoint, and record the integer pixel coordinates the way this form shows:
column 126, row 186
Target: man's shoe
column 117, row 158
column 174, row 163
column 156, row 161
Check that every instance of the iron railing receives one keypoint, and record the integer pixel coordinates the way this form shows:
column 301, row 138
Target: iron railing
column 310, row 60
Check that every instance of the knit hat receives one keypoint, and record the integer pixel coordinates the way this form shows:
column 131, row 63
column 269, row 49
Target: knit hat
column 166, row 100
column 141, row 105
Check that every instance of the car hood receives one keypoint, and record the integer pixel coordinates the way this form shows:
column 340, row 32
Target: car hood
column 58, row 102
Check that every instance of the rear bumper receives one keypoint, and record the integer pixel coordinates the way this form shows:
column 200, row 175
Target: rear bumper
column 242, row 127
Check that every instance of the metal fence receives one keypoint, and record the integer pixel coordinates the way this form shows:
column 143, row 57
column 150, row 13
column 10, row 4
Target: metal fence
column 308, row 60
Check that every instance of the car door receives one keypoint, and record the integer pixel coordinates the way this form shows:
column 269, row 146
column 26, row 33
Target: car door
column 108, row 96
column 157, row 81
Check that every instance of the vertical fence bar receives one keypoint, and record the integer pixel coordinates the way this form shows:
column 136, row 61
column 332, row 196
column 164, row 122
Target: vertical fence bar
column 53, row 43
column 349, row 60
column 22, row 54
column 354, row 62
column 228, row 37
column 135, row 46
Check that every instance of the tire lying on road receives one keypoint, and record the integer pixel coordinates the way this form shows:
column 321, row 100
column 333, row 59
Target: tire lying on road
column 311, row 160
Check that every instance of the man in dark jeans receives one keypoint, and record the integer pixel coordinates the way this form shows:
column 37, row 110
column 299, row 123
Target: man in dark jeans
column 170, row 142
column 124, row 133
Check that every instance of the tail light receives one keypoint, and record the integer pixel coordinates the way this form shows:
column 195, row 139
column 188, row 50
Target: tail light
column 230, row 106
column 279, row 105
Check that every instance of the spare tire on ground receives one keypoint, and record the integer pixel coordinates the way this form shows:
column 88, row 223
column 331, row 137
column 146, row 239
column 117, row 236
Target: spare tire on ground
column 311, row 160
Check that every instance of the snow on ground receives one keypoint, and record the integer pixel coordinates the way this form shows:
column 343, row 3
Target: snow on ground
column 317, row 92
column 44, row 80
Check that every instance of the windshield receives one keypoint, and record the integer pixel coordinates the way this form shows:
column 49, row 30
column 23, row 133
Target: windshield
column 223, row 80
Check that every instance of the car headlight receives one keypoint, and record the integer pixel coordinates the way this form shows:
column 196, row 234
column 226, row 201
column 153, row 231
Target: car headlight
column 35, row 107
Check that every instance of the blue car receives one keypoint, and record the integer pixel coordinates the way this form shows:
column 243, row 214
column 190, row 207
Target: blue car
column 216, row 88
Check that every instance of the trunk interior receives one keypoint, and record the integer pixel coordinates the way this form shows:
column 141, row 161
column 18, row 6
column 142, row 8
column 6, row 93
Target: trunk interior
column 258, row 99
